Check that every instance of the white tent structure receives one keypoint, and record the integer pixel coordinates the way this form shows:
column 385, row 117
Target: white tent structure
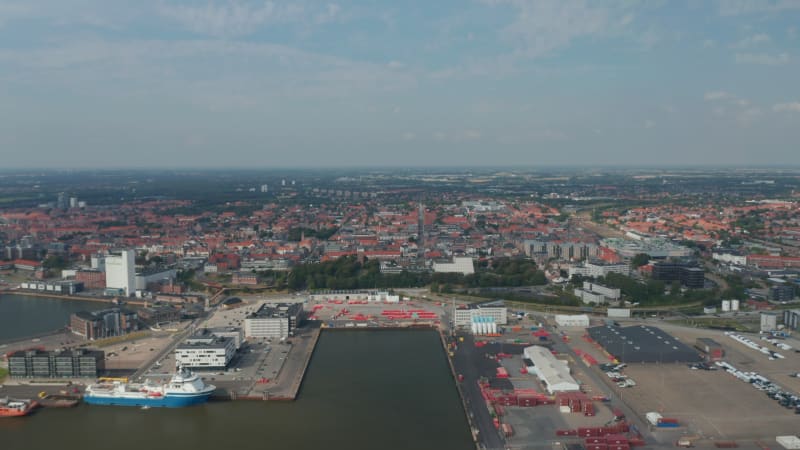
column 554, row 373
column 580, row 320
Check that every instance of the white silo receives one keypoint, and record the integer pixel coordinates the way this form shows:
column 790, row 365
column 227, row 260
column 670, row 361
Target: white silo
column 726, row 305
column 734, row 305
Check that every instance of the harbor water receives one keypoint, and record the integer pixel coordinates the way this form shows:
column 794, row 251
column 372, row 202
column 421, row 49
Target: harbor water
column 363, row 390
column 22, row 315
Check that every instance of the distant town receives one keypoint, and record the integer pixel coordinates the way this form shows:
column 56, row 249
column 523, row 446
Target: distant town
column 235, row 274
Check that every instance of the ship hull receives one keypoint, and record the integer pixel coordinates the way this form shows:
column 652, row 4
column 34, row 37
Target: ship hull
column 169, row 401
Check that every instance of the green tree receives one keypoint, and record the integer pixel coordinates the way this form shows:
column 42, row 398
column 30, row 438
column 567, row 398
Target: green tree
column 640, row 260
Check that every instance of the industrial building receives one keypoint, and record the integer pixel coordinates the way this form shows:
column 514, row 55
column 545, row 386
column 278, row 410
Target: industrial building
column 121, row 272
column 205, row 350
column 235, row 333
column 642, row 343
column 579, row 320
column 687, row 274
column 769, row 321
column 148, row 279
column 554, row 373
column 362, row 295
column 477, row 312
column 104, row 323
column 273, row 321
column 78, row 363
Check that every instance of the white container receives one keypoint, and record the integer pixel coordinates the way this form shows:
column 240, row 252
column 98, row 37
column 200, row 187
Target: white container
column 565, row 409
column 653, row 418
column 789, row 442
column 726, row 305
column 734, row 305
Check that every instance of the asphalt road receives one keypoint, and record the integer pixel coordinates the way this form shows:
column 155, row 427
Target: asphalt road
column 463, row 361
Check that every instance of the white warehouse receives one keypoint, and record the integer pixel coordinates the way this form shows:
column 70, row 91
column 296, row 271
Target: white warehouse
column 580, row 320
column 553, row 372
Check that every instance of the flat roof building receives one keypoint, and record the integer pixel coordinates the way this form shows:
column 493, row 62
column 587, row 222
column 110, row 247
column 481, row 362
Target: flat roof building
column 642, row 343
column 205, row 350
column 465, row 316
column 273, row 320
column 554, row 373
column 78, row 363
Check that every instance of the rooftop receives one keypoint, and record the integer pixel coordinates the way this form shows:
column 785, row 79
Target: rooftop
column 642, row 343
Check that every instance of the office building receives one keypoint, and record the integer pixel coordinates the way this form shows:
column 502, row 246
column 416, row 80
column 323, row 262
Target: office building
column 205, row 350
column 273, row 320
column 687, row 274
column 498, row 314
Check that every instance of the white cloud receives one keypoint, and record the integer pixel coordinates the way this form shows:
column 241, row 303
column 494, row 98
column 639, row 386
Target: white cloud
column 748, row 116
column 753, row 41
column 243, row 17
column 738, row 7
column 787, row 107
column 762, row 59
column 717, row 95
column 541, row 26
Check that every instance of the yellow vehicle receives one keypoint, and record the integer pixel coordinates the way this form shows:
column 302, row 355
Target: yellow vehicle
column 112, row 379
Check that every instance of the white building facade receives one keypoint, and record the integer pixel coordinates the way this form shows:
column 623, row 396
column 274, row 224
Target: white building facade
column 465, row 317
column 121, row 272
column 206, row 352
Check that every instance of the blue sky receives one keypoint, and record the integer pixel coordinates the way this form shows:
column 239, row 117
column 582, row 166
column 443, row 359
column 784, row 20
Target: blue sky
column 162, row 83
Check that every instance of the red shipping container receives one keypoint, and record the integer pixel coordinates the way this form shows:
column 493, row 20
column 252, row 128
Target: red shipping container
column 565, row 432
column 597, row 447
column 617, row 439
column 588, row 432
column 667, row 420
column 618, row 447
column 595, row 440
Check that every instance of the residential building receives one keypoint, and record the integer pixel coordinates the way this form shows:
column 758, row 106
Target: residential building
column 595, row 269
column 79, row 363
column 105, row 323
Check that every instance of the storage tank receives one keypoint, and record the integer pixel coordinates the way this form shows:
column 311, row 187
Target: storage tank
column 726, row 305
column 734, row 305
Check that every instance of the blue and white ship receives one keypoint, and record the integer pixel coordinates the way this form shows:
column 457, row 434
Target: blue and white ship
column 184, row 389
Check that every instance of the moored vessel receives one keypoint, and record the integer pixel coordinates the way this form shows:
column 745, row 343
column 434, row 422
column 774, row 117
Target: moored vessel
column 12, row 407
column 185, row 388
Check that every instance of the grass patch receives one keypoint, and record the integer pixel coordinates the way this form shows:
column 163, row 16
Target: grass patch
column 714, row 323
column 3, row 374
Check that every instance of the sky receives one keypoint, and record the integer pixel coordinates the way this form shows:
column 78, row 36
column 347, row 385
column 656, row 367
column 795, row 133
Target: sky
column 520, row 83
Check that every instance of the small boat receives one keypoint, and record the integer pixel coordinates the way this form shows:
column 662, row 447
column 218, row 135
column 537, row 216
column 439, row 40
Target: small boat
column 11, row 407
column 58, row 400
column 145, row 407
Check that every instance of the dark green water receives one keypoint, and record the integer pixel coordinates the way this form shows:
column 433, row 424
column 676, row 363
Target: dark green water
column 23, row 316
column 364, row 390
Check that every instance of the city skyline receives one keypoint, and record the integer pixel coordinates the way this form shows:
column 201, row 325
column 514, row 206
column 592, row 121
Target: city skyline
column 340, row 84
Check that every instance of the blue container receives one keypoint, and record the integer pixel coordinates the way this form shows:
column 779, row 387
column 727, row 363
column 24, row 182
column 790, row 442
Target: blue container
column 667, row 425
